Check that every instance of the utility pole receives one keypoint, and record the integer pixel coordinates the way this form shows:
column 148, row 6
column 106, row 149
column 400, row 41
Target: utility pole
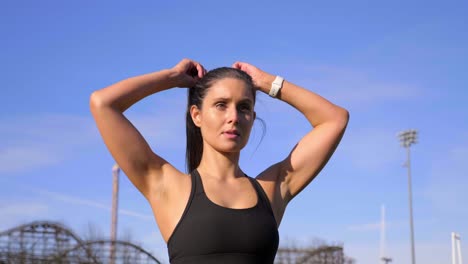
column 456, row 247
column 407, row 138
column 383, row 253
column 115, row 208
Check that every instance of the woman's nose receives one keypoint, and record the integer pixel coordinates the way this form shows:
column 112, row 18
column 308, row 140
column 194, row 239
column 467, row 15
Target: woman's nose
column 233, row 115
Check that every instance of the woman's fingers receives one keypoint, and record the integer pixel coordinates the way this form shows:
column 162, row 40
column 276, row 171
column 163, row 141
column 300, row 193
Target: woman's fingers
column 190, row 71
column 195, row 69
column 239, row 65
column 243, row 66
column 200, row 70
column 258, row 76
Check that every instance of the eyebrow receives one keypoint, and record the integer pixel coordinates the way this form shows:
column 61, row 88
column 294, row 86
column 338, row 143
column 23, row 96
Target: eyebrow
column 227, row 99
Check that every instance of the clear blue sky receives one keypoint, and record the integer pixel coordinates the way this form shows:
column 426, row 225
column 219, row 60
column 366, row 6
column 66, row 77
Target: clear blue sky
column 394, row 65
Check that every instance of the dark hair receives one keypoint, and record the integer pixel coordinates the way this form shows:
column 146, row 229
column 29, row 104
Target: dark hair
column 196, row 94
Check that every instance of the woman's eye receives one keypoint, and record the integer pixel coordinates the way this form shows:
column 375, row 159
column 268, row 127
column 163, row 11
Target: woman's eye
column 221, row 105
column 245, row 108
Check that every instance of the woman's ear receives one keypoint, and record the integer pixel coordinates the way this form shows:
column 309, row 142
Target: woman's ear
column 195, row 114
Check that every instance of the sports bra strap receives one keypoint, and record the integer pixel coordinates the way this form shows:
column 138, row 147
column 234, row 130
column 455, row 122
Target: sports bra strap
column 262, row 194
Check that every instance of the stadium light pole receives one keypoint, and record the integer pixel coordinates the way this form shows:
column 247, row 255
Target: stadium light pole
column 115, row 208
column 407, row 138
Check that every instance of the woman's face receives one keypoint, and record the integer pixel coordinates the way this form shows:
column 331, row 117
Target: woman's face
column 226, row 116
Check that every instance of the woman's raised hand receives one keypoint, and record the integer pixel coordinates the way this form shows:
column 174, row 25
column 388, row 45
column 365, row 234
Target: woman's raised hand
column 188, row 73
column 262, row 80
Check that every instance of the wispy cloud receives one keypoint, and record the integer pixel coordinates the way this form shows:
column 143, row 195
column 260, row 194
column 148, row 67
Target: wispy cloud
column 22, row 208
column 446, row 189
column 364, row 227
column 42, row 140
column 376, row 226
column 20, row 158
column 31, row 142
column 359, row 87
column 350, row 86
column 90, row 203
column 371, row 149
column 16, row 212
column 161, row 129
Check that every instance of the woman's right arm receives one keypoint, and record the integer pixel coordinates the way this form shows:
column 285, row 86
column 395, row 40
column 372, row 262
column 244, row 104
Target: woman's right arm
column 128, row 147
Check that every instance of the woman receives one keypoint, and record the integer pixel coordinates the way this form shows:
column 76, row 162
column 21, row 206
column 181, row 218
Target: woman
column 217, row 214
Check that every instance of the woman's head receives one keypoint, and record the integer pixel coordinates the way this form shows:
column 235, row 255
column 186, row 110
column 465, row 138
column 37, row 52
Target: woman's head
column 219, row 111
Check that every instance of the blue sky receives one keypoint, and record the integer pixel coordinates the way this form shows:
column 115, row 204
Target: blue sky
column 394, row 65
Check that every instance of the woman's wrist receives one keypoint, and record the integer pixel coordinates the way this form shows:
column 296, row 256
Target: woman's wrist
column 265, row 84
column 171, row 78
column 153, row 82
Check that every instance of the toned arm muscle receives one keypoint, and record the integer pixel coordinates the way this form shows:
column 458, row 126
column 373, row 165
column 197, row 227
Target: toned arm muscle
column 144, row 168
column 287, row 178
column 312, row 152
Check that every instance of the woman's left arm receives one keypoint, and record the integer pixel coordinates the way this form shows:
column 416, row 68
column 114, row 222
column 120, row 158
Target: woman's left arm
column 313, row 151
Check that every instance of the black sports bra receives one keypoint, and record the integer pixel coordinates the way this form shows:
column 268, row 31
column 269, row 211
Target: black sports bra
column 209, row 233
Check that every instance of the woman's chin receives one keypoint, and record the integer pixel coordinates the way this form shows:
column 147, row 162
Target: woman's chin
column 232, row 148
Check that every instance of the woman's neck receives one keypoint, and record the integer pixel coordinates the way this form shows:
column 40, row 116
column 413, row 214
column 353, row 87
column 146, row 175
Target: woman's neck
column 223, row 166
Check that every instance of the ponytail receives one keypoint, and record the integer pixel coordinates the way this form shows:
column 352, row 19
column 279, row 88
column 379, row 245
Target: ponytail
column 194, row 149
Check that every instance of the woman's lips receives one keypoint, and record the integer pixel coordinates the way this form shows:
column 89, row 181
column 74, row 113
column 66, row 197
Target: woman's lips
column 231, row 134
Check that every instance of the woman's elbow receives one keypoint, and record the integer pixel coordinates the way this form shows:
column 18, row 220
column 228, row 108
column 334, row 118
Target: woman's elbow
column 94, row 100
column 97, row 101
column 342, row 116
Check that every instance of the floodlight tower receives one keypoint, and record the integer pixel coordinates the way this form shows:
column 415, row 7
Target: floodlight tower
column 407, row 138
